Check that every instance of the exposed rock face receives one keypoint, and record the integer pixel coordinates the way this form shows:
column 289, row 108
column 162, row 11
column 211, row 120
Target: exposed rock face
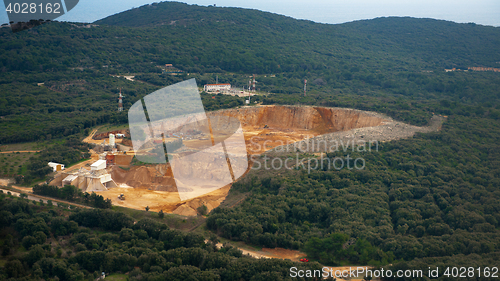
column 127, row 142
column 158, row 177
column 369, row 135
column 339, row 119
column 266, row 127
column 318, row 120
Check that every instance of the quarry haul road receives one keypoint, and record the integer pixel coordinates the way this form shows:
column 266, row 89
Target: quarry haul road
column 293, row 255
column 54, row 201
column 265, row 253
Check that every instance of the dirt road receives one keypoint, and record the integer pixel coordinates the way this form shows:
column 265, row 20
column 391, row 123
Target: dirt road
column 21, row 151
column 266, row 253
column 43, row 198
column 89, row 138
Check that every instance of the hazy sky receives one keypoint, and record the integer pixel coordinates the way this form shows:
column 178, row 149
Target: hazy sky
column 486, row 12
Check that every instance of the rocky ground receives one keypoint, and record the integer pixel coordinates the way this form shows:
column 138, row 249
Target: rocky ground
column 388, row 131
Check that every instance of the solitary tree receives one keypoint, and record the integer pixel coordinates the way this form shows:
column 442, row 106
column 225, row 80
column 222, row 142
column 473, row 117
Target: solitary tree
column 147, row 208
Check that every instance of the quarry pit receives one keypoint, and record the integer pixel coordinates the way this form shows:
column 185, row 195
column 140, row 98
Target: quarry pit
column 265, row 129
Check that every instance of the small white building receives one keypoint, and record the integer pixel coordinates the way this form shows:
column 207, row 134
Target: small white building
column 56, row 166
column 98, row 165
column 217, row 87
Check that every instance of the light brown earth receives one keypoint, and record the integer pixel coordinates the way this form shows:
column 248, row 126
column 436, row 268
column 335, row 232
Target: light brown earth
column 264, row 128
column 169, row 202
column 267, row 253
column 5, row 182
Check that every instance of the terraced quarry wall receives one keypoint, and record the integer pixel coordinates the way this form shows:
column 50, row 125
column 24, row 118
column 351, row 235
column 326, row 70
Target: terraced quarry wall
column 319, row 120
column 266, row 127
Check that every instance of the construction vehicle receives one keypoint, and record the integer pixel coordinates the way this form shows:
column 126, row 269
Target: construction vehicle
column 121, row 196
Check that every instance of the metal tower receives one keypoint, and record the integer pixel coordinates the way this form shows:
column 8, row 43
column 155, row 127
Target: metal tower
column 120, row 102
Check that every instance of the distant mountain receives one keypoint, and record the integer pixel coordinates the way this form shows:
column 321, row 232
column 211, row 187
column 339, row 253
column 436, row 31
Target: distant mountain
column 212, row 39
column 181, row 14
column 392, row 60
column 434, row 43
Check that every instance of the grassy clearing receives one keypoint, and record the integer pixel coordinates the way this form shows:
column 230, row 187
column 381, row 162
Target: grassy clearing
column 108, row 127
column 13, row 163
column 16, row 163
column 117, row 277
column 23, row 146
column 171, row 220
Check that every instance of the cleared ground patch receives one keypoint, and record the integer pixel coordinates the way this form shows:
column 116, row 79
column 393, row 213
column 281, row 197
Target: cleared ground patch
column 265, row 128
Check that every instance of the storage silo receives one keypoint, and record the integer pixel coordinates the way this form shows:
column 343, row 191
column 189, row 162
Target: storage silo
column 112, row 140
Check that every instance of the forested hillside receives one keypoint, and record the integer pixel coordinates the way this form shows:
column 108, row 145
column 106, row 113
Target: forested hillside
column 383, row 58
column 53, row 243
column 417, row 42
column 435, row 195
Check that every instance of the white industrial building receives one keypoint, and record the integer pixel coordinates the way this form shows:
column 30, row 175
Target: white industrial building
column 98, row 165
column 56, row 166
column 217, row 87
column 97, row 179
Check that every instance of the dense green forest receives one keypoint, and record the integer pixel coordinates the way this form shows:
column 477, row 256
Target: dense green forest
column 73, row 194
column 431, row 200
column 381, row 61
column 42, row 242
column 435, row 195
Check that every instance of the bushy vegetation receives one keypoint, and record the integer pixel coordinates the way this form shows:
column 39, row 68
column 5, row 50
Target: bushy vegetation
column 41, row 242
column 69, row 152
column 382, row 64
column 337, row 247
column 72, row 194
column 435, row 195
